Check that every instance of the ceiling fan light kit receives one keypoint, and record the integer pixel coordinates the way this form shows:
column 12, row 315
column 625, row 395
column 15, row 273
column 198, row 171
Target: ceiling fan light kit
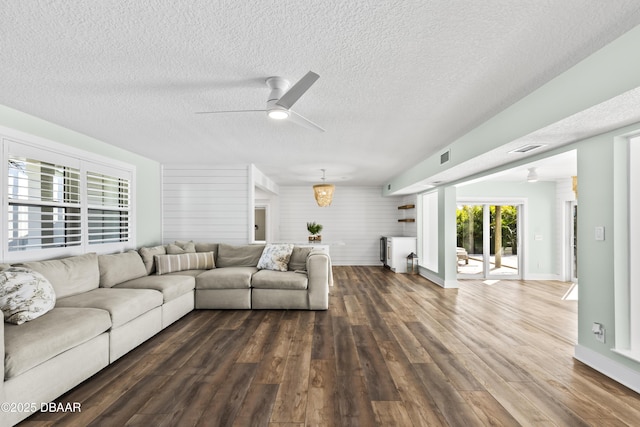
column 278, row 114
column 281, row 99
column 323, row 192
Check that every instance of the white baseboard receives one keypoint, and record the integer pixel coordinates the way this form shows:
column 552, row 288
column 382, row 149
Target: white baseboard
column 429, row 275
column 542, row 276
column 609, row 367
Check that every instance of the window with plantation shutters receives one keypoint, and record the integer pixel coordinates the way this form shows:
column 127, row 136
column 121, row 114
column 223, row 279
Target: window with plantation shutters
column 108, row 208
column 59, row 201
column 44, row 208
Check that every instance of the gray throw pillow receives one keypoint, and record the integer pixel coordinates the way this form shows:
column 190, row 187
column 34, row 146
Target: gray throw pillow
column 298, row 261
column 181, row 248
column 147, row 255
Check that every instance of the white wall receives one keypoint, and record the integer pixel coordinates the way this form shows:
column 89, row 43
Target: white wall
column 206, row 203
column 358, row 217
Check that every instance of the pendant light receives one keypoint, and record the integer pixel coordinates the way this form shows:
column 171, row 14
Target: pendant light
column 323, row 192
column 533, row 175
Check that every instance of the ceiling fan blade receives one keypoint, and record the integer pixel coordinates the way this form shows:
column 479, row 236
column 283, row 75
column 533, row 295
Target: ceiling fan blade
column 303, row 121
column 297, row 90
column 230, row 111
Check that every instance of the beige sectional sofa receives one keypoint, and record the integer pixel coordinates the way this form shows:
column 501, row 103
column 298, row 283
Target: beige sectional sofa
column 106, row 305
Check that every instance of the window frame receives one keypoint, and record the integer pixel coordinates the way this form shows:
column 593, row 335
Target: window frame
column 17, row 143
column 627, row 283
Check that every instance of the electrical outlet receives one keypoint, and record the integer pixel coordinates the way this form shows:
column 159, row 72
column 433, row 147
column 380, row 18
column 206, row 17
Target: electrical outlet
column 599, row 331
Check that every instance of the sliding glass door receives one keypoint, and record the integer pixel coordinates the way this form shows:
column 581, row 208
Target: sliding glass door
column 488, row 244
column 470, row 240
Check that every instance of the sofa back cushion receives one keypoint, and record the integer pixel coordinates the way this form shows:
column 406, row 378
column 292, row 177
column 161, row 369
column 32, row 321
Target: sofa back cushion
column 238, row 256
column 69, row 276
column 207, row 247
column 118, row 268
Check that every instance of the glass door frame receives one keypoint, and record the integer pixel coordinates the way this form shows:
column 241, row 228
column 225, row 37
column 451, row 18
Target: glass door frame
column 486, row 203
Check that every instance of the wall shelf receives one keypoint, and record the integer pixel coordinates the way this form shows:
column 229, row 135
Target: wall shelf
column 406, row 207
column 407, row 220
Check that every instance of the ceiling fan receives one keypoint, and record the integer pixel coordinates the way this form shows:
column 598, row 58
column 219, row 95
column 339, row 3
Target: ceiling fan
column 282, row 98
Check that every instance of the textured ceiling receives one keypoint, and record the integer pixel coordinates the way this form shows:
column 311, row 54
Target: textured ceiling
column 398, row 79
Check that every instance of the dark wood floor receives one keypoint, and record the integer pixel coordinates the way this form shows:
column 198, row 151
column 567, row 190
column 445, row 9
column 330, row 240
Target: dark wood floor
column 391, row 350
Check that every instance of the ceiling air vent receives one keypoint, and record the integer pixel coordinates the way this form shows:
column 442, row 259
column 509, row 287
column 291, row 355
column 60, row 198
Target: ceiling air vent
column 445, row 157
column 527, row 148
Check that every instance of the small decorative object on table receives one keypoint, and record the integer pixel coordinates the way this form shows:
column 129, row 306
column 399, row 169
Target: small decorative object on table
column 315, row 230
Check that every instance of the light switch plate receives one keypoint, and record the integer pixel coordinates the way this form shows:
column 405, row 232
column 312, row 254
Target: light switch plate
column 599, row 233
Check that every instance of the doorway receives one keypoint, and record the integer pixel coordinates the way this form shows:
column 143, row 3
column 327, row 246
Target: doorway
column 571, row 257
column 487, row 241
column 260, row 224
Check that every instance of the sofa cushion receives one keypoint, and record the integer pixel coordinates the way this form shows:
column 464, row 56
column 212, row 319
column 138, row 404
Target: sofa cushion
column 238, row 256
column 118, row 268
column 207, row 247
column 268, row 279
column 226, row 278
column 57, row 331
column 147, row 257
column 179, row 262
column 122, row 304
column 25, row 295
column 192, row 273
column 171, row 286
column 298, row 260
column 275, row 257
column 69, row 276
column 4, row 266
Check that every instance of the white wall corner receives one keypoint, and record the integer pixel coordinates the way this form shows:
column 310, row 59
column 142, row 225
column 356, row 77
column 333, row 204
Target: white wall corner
column 432, row 277
column 609, row 367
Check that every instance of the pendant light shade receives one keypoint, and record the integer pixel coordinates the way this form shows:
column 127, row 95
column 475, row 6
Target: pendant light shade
column 323, row 192
column 532, row 176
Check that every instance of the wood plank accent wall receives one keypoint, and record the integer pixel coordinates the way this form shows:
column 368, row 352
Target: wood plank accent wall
column 205, row 203
column 358, row 217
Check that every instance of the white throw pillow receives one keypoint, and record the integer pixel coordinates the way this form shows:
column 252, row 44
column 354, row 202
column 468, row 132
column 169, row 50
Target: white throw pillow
column 25, row 295
column 275, row 257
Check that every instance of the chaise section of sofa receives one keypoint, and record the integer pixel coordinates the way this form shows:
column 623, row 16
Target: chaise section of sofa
column 241, row 280
column 303, row 287
column 50, row 355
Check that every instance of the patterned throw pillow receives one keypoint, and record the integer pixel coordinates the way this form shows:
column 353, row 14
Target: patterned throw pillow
column 25, row 295
column 275, row 257
column 180, row 262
